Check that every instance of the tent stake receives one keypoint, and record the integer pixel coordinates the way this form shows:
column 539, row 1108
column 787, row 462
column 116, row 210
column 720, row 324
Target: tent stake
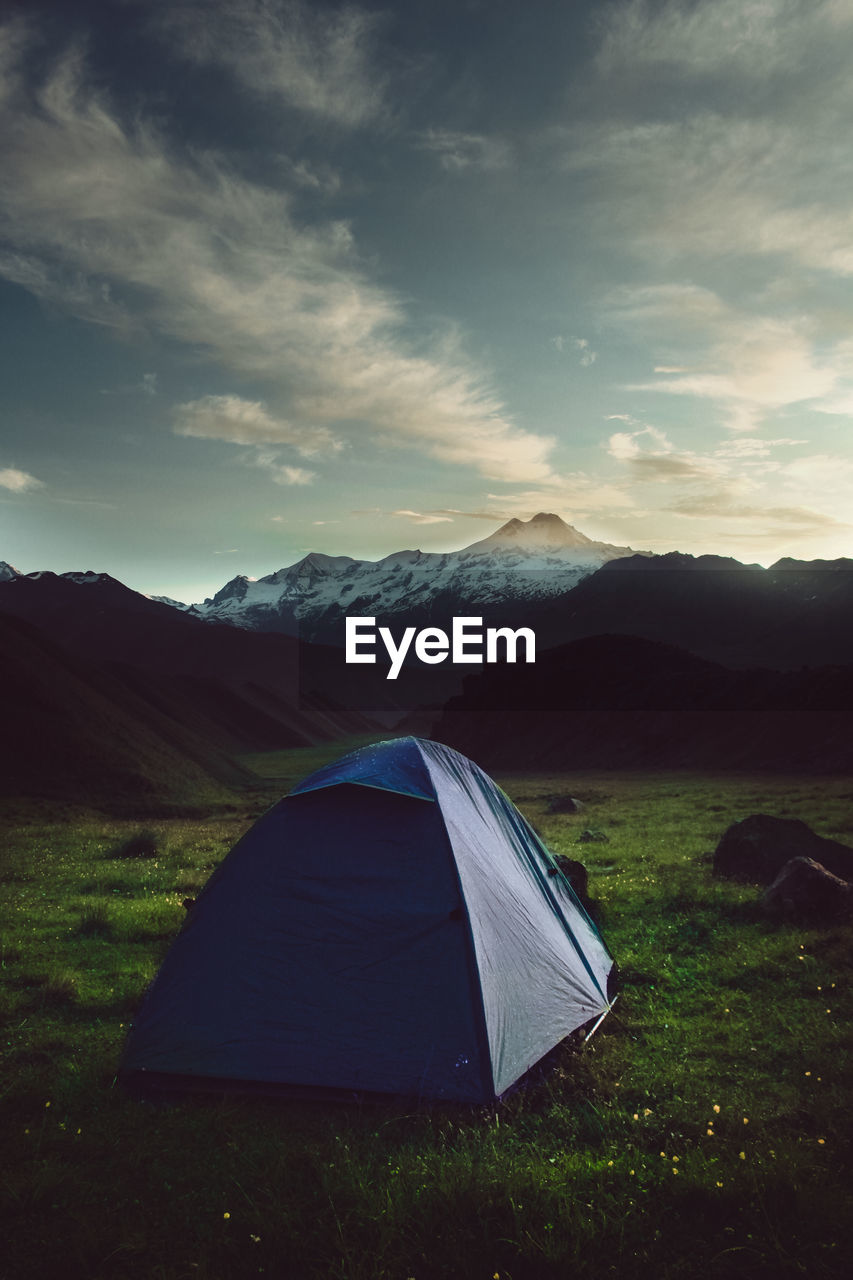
column 591, row 1033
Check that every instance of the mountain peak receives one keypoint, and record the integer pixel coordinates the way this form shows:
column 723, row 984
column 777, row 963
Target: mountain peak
column 8, row 572
column 544, row 532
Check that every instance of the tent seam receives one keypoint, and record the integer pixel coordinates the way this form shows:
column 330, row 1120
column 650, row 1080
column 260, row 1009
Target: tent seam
column 481, row 1028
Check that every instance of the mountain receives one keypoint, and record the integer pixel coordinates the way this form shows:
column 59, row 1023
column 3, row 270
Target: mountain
column 257, row 683
column 74, row 731
column 544, row 533
column 103, row 675
column 546, row 575
column 521, row 564
column 615, row 701
column 796, row 613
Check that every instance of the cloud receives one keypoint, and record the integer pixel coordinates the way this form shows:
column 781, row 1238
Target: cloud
column 717, row 131
column 473, row 515
column 821, row 479
column 720, row 506
column 579, row 492
column 460, row 151
column 318, row 61
column 146, row 386
column 279, row 472
column 737, row 481
column 18, row 481
column 293, row 475
column 625, row 445
column 587, row 355
column 241, row 421
column 419, row 517
column 117, row 227
column 755, row 38
column 749, row 364
column 660, row 462
column 749, row 447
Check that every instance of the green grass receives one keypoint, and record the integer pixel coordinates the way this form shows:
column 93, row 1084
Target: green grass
column 703, row 1132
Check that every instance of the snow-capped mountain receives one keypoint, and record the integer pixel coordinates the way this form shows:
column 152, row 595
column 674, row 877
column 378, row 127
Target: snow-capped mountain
column 83, row 577
column 529, row 562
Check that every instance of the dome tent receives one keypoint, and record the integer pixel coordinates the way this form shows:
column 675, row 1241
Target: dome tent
column 393, row 926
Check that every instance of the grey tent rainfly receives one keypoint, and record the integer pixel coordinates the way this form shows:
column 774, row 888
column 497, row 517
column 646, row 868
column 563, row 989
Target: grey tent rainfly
column 393, row 926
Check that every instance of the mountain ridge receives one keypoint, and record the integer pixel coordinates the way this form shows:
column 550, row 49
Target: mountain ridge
column 520, row 563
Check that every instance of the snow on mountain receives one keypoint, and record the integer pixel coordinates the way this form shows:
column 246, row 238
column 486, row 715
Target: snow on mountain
column 87, row 577
column 531, row 560
column 8, row 572
column 176, row 604
column 544, row 533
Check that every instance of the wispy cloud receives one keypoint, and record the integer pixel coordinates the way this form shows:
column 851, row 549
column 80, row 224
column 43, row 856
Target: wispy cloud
column 737, row 484
column 490, row 516
column 115, row 225
column 586, row 355
column 748, row 364
column 240, row 421
column 146, row 386
column 319, row 61
column 18, row 481
column 421, row 517
column 457, row 151
column 280, row 472
column 626, row 445
column 717, row 505
column 718, row 131
column 753, row 38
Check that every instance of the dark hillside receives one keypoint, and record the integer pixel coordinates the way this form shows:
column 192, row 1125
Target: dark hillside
column 616, row 701
column 792, row 614
column 241, row 690
column 70, row 730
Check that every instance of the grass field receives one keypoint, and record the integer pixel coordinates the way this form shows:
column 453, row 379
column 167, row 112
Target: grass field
column 704, row 1131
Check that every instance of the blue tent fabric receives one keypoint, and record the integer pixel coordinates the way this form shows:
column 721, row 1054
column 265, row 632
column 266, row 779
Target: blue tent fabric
column 389, row 927
column 398, row 765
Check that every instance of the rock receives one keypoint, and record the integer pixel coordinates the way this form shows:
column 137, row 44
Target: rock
column 757, row 849
column 593, row 837
column 576, row 873
column 565, row 804
column 805, row 890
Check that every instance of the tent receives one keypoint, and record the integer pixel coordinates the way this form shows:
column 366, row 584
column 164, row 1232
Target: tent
column 393, row 926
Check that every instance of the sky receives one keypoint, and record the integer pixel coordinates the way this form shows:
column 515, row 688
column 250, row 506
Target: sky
column 279, row 277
